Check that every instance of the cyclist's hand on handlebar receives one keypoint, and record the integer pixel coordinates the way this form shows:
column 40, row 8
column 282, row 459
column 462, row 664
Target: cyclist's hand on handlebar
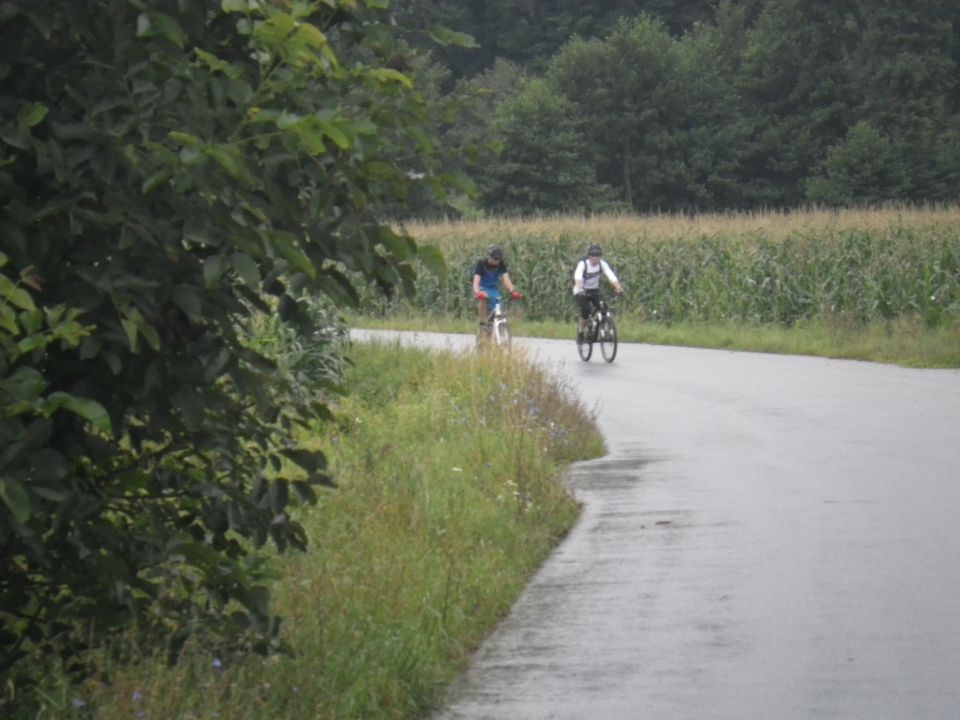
column 481, row 295
column 515, row 295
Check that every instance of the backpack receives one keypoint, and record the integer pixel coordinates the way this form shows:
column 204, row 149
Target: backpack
column 575, row 266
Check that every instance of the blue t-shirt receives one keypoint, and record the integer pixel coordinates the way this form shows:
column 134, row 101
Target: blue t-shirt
column 490, row 276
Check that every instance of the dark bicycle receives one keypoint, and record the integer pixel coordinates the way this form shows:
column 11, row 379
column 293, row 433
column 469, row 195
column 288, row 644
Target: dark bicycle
column 601, row 328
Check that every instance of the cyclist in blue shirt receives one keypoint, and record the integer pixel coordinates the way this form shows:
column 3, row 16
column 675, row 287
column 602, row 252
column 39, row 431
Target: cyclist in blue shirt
column 487, row 274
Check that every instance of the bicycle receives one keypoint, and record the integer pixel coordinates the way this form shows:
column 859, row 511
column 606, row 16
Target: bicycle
column 495, row 329
column 600, row 328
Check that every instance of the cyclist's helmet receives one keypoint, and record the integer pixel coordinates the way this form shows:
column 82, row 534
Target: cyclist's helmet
column 495, row 251
column 594, row 251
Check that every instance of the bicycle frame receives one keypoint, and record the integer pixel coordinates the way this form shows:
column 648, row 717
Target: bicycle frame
column 601, row 313
column 601, row 329
column 496, row 327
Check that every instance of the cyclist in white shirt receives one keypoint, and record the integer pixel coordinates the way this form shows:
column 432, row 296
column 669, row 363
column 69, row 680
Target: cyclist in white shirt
column 586, row 283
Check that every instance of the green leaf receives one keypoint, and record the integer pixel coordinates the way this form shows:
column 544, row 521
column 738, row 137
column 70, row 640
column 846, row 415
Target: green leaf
column 15, row 496
column 304, row 491
column 310, row 133
column 191, row 408
column 150, row 334
column 390, row 75
column 32, row 114
column 445, row 36
column 185, row 138
column 401, row 247
column 169, row 28
column 29, row 344
column 187, row 299
column 130, row 328
column 234, row 6
column 89, row 410
column 337, row 286
column 289, row 247
column 15, row 295
column 231, row 160
column 216, row 64
column 246, row 268
column 144, row 27
column 311, row 36
column 335, row 134
column 212, row 271
column 309, row 460
column 8, row 319
column 433, row 260
column 25, row 384
column 154, row 180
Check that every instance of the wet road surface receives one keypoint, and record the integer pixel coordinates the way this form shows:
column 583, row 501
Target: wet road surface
column 769, row 537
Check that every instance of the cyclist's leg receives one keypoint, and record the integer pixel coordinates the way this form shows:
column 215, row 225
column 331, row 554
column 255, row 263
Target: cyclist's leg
column 493, row 297
column 583, row 302
column 482, row 310
column 593, row 299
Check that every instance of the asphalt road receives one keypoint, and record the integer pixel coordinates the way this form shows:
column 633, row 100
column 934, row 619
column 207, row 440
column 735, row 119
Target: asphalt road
column 770, row 537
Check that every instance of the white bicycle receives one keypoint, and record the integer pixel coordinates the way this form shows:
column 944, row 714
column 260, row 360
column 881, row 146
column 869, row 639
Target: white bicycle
column 495, row 330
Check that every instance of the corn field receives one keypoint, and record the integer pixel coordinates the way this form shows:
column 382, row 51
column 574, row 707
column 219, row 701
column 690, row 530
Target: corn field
column 779, row 268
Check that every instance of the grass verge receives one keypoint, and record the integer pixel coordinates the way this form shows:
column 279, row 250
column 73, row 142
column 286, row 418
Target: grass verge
column 449, row 498
column 904, row 341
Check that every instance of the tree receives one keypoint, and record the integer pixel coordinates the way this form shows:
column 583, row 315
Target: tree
column 865, row 168
column 794, row 81
column 706, row 126
column 623, row 87
column 543, row 163
column 530, row 32
column 904, row 78
column 170, row 171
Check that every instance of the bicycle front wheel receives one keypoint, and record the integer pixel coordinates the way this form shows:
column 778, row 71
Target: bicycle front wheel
column 502, row 335
column 608, row 339
column 584, row 346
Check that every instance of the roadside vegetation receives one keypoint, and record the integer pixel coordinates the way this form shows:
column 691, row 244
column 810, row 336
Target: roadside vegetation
column 192, row 196
column 450, row 494
column 877, row 284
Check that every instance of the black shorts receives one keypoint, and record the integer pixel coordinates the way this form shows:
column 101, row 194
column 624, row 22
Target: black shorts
column 588, row 301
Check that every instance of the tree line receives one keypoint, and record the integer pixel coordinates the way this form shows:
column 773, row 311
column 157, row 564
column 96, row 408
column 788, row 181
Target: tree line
column 706, row 106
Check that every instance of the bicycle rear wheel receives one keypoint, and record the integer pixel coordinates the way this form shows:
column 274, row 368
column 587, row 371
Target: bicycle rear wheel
column 608, row 339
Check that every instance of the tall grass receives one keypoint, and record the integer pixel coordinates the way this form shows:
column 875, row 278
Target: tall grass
column 855, row 266
column 449, row 498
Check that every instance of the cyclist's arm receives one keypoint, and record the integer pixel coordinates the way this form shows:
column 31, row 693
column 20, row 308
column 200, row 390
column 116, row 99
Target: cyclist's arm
column 578, row 278
column 507, row 282
column 611, row 276
column 476, row 284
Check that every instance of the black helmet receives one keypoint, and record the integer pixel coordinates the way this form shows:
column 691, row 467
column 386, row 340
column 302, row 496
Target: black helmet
column 495, row 251
column 594, row 250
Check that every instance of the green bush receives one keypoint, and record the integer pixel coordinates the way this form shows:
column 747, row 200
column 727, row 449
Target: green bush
column 171, row 174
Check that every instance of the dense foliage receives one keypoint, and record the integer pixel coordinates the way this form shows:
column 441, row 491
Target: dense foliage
column 707, row 106
column 170, row 173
